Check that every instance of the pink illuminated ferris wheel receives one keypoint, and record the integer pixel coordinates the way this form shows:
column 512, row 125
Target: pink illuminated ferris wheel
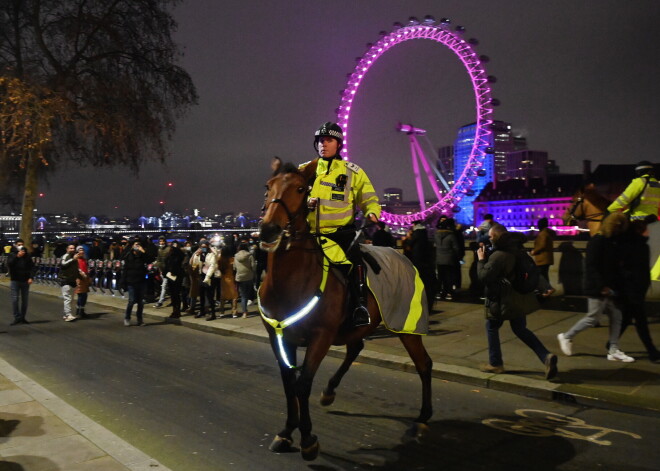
column 442, row 34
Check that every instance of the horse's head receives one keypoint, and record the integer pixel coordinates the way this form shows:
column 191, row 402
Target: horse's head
column 285, row 207
column 575, row 211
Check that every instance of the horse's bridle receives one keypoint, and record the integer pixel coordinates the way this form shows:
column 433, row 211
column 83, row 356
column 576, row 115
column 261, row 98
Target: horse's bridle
column 591, row 217
column 289, row 230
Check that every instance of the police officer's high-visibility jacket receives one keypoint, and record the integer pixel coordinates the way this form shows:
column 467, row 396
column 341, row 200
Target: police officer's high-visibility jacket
column 342, row 188
column 649, row 189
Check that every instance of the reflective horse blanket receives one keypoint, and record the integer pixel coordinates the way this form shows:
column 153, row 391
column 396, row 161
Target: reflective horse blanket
column 398, row 290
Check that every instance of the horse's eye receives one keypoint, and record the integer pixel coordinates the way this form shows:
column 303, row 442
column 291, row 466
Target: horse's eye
column 301, row 189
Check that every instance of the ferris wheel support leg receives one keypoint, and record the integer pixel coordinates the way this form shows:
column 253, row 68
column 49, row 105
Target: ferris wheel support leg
column 418, row 178
column 427, row 169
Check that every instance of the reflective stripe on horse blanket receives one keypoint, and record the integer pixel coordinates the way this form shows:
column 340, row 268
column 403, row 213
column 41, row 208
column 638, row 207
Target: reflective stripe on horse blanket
column 399, row 291
column 654, row 248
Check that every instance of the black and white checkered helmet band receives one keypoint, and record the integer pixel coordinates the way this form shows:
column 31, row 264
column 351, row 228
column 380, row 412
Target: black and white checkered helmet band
column 330, row 132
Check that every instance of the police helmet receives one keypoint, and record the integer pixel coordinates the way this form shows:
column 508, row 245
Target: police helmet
column 329, row 129
column 644, row 168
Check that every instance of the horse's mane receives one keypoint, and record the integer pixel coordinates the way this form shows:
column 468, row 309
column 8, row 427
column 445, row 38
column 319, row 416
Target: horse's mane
column 594, row 197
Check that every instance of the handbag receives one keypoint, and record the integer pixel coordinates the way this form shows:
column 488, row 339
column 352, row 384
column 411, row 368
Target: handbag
column 508, row 304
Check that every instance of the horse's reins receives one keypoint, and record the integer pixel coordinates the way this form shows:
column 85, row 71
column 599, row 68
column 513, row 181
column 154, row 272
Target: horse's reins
column 591, row 217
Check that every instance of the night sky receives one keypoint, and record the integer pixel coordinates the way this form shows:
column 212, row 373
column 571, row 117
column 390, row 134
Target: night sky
column 577, row 78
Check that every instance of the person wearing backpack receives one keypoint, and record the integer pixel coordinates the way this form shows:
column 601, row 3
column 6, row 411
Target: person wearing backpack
column 510, row 282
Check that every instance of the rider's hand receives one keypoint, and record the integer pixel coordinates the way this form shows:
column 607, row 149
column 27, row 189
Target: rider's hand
column 311, row 203
column 372, row 217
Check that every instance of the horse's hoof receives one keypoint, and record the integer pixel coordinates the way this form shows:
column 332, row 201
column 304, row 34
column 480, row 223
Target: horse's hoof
column 416, row 432
column 309, row 449
column 280, row 445
column 327, row 399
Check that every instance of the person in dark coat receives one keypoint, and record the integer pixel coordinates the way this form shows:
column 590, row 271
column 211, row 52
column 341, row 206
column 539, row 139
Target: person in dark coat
column 460, row 239
column 134, row 280
column 422, row 256
column 603, row 286
column 95, row 251
column 492, row 271
column 636, row 282
column 174, row 272
column 21, row 271
column 446, row 258
column 383, row 238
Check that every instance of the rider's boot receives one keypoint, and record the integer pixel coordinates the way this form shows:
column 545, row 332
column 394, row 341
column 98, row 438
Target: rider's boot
column 360, row 313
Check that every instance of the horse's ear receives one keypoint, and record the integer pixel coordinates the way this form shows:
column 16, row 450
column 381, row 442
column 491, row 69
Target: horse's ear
column 276, row 165
column 309, row 170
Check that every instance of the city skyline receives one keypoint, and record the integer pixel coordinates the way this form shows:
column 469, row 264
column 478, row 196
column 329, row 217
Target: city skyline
column 573, row 79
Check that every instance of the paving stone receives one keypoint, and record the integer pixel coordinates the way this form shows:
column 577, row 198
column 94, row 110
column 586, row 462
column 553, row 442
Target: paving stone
column 57, row 453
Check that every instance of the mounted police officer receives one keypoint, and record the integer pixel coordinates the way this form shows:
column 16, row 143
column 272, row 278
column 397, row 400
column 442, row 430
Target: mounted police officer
column 339, row 189
column 642, row 196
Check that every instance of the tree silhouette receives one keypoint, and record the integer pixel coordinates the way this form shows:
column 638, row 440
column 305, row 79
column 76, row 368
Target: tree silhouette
column 105, row 70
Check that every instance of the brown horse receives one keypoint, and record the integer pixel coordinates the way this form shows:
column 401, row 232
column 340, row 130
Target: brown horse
column 588, row 205
column 303, row 304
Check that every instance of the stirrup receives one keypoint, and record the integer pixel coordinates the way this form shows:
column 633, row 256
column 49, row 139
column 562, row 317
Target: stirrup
column 361, row 316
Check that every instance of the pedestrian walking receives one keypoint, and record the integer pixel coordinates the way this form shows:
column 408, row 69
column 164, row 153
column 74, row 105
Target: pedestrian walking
column 134, row 280
column 21, row 272
column 82, row 283
column 244, row 264
column 446, row 258
column 228, row 290
column 543, row 251
column 163, row 252
column 503, row 302
column 636, row 282
column 68, row 276
column 422, row 257
column 603, row 285
column 205, row 261
column 175, row 274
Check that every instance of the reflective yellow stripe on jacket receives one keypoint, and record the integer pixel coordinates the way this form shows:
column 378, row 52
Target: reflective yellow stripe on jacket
column 650, row 199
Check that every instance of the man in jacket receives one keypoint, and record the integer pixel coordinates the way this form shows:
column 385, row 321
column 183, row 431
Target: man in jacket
column 447, row 256
column 494, row 271
column 21, row 268
column 134, row 279
column 163, row 252
column 604, row 284
column 339, row 189
column 69, row 273
column 543, row 251
column 422, row 256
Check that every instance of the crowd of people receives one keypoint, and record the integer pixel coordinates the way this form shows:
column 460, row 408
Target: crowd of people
column 198, row 278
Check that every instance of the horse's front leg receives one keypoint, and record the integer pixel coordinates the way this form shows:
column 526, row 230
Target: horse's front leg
column 316, row 351
column 283, row 441
column 353, row 349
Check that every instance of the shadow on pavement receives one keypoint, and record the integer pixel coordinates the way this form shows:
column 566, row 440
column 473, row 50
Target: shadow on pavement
column 454, row 445
column 27, row 463
column 625, row 377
